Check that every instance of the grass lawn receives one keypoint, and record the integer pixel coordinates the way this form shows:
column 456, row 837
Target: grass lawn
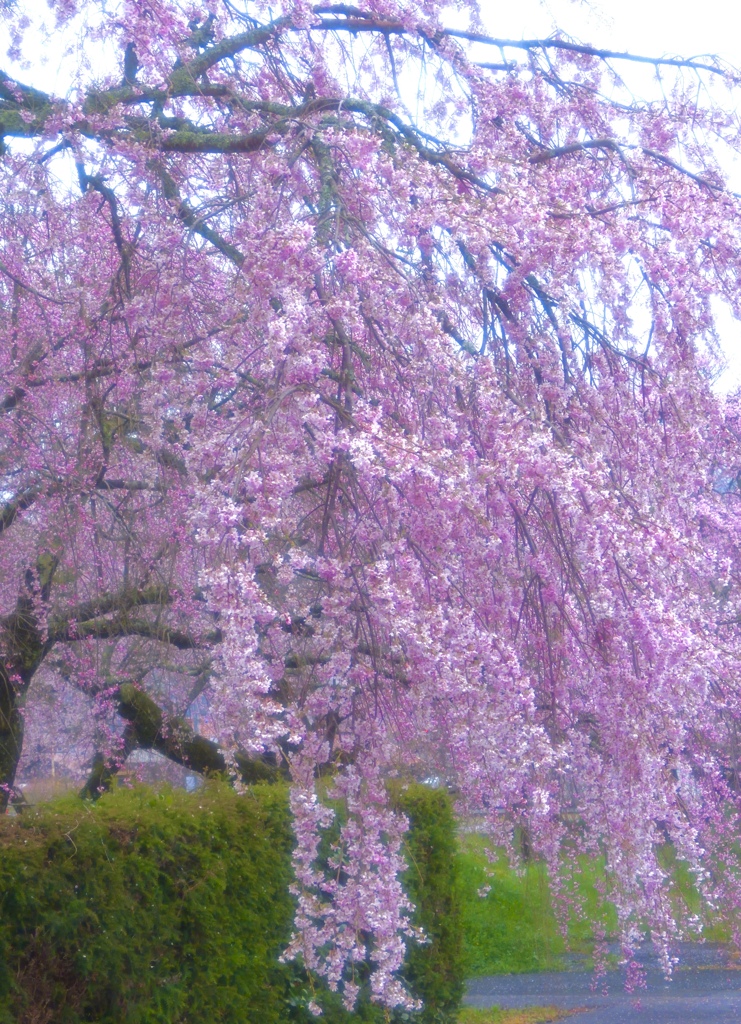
column 528, row 1015
column 514, row 929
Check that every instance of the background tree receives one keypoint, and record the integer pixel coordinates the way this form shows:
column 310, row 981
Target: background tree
column 363, row 379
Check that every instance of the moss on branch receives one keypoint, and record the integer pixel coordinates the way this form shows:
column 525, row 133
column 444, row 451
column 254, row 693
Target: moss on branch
column 172, row 736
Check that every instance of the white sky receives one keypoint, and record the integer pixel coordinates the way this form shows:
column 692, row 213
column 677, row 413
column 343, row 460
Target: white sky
column 651, row 27
column 647, row 26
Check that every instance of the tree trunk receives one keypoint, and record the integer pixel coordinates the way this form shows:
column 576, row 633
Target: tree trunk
column 11, row 736
column 23, row 652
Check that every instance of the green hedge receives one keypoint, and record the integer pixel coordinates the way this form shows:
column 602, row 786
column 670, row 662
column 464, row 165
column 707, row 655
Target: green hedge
column 434, row 971
column 168, row 908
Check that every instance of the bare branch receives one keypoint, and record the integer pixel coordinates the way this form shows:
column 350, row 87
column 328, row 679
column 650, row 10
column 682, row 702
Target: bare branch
column 351, row 19
column 27, row 287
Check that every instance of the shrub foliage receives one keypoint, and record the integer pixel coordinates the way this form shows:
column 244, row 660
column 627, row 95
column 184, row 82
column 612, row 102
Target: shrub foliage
column 168, row 908
column 434, row 971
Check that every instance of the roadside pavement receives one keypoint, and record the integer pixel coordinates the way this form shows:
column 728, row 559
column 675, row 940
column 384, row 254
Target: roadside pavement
column 705, row 989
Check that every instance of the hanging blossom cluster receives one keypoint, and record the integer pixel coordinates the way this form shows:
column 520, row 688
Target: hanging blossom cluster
column 353, row 911
column 356, row 377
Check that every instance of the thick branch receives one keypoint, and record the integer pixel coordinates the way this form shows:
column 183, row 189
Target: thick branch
column 10, row 510
column 174, row 738
column 185, row 76
column 105, row 484
column 105, row 768
column 17, row 102
column 190, row 140
column 122, row 625
column 121, row 601
column 213, row 142
column 24, row 111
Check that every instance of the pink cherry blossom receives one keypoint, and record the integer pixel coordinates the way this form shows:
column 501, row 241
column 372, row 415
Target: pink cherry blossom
column 359, row 386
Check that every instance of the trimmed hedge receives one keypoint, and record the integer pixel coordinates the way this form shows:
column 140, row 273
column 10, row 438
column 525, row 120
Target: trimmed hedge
column 148, row 907
column 435, row 971
column 171, row 908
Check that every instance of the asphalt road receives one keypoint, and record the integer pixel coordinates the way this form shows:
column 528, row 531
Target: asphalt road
column 703, row 990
